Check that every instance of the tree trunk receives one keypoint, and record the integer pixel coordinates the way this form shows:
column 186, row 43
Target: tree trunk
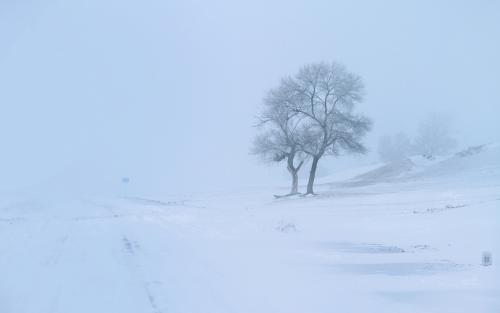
column 312, row 175
column 295, row 183
column 294, row 172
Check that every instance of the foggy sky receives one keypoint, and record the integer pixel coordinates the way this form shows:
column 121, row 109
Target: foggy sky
column 166, row 91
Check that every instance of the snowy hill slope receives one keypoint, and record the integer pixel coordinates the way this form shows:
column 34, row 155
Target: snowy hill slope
column 479, row 162
column 475, row 163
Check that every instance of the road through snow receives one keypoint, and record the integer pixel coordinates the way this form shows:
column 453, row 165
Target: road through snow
column 89, row 257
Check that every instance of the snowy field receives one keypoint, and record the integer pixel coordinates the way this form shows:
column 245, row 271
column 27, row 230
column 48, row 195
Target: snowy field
column 402, row 238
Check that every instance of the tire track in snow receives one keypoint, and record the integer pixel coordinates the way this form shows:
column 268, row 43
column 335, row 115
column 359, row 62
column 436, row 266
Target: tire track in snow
column 132, row 248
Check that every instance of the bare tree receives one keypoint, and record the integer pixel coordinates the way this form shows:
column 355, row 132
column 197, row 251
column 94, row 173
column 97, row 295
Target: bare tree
column 324, row 95
column 278, row 140
column 394, row 148
column 433, row 137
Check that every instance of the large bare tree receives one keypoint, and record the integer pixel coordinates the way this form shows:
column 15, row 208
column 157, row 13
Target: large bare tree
column 278, row 139
column 324, row 96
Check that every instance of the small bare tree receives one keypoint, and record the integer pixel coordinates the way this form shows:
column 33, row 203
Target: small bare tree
column 278, row 140
column 433, row 137
column 394, row 148
column 324, row 95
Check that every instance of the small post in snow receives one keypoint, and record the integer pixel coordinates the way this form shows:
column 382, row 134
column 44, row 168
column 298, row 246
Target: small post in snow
column 487, row 260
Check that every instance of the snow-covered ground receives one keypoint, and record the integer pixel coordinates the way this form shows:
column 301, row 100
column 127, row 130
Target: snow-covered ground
column 399, row 238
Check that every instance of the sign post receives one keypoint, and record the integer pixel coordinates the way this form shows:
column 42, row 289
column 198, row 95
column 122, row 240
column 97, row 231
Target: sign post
column 125, row 181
